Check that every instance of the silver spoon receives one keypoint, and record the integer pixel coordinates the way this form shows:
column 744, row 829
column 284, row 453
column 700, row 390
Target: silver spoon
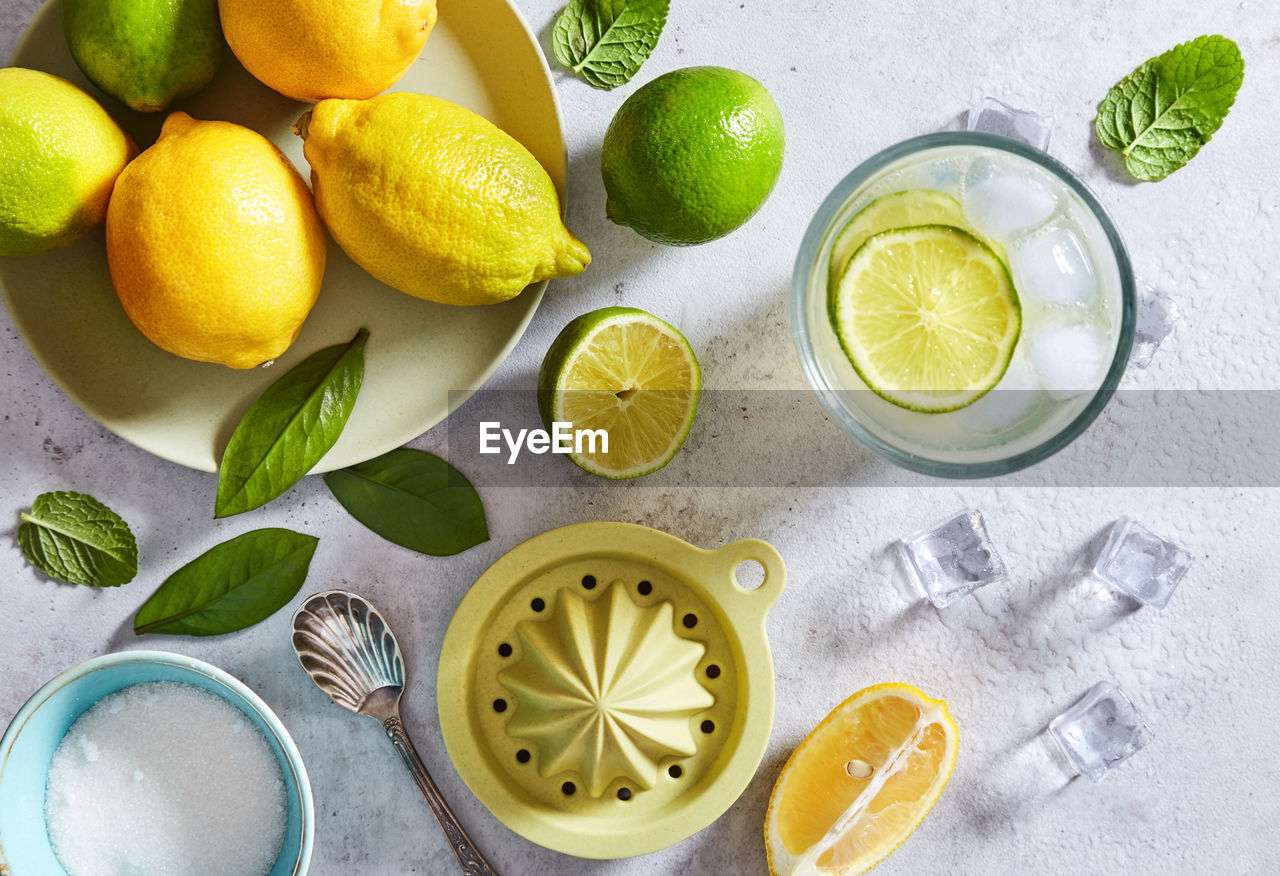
column 347, row 648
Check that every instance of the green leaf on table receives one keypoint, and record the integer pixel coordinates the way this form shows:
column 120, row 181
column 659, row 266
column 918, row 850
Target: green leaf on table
column 413, row 499
column 231, row 586
column 1162, row 113
column 291, row 425
column 606, row 41
column 75, row 538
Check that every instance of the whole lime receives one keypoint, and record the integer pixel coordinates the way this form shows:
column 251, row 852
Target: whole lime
column 60, row 154
column 147, row 53
column 692, row 155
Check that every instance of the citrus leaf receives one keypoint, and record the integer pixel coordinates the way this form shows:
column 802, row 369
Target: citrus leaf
column 413, row 499
column 74, row 538
column 231, row 586
column 290, row 427
column 606, row 41
column 1162, row 113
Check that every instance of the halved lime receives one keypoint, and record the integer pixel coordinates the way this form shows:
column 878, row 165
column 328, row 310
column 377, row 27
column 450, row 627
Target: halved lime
column 928, row 316
column 898, row 210
column 625, row 372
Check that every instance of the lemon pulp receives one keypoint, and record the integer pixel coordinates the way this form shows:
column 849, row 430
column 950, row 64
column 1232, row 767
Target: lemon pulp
column 860, row 782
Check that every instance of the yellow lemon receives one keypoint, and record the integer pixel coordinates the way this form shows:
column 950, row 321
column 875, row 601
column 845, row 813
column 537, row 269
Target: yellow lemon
column 435, row 201
column 214, row 244
column 313, row 49
column 860, row 783
column 60, row 154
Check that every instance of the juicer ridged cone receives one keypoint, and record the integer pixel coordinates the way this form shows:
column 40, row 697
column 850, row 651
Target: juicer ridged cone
column 605, row 689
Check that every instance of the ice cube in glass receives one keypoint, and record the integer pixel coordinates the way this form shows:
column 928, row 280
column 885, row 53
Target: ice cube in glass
column 1069, row 359
column 1140, row 563
column 1157, row 315
column 1101, row 731
column 995, row 117
column 1019, row 392
column 1053, row 267
column 1001, row 201
column 951, row 559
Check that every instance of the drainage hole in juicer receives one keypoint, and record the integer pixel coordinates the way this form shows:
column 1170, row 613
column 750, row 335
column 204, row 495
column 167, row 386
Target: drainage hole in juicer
column 523, row 755
column 713, row 671
column 645, row 588
column 588, row 582
column 537, row 604
column 675, row 771
column 690, row 621
column 504, row 650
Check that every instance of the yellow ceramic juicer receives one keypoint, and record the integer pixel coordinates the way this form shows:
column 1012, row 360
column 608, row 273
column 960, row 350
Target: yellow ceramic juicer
column 607, row 690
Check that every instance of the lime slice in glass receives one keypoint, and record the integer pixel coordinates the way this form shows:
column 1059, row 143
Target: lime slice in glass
column 928, row 316
column 899, row 210
column 625, row 372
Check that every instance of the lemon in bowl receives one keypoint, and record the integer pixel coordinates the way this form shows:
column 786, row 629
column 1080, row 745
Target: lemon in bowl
column 314, row 49
column 60, row 155
column 146, row 53
column 214, row 245
column 434, row 200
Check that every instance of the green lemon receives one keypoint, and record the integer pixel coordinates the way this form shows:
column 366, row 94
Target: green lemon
column 928, row 316
column 147, row 53
column 60, row 154
column 692, row 155
column 629, row 374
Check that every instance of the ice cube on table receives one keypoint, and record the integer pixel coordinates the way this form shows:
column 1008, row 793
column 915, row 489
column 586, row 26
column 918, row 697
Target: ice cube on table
column 951, row 559
column 995, row 117
column 1012, row 400
column 1002, row 201
column 1157, row 315
column 1101, row 731
column 1140, row 563
column 1052, row 267
column 1070, row 359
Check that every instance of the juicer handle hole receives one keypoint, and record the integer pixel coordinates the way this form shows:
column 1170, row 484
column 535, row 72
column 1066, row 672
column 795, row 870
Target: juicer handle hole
column 749, row 575
column 755, row 568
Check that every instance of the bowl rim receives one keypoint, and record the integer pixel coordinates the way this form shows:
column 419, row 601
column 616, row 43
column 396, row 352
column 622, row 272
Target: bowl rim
column 829, row 396
column 292, row 757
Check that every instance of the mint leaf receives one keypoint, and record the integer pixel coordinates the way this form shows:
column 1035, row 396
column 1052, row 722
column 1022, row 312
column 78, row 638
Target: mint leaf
column 606, row 41
column 413, row 499
column 74, row 538
column 291, row 425
column 1162, row 113
column 231, row 586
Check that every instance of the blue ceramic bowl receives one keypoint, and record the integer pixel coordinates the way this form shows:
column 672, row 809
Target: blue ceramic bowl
column 34, row 734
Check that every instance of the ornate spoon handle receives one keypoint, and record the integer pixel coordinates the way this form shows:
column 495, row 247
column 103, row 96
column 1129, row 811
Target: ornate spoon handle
column 468, row 856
